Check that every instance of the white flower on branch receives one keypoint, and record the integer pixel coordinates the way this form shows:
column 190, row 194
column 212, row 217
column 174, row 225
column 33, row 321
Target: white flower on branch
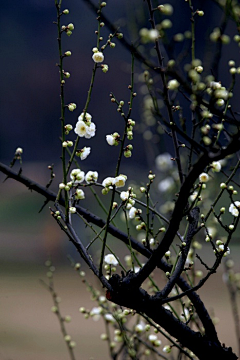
column 132, row 212
column 77, row 176
column 119, row 181
column 110, row 140
column 91, row 176
column 173, row 84
column 83, row 153
column 234, row 208
column 203, row 177
column 124, row 195
column 98, row 57
column 90, row 131
column 81, row 128
column 79, row 195
column 108, row 182
column 87, row 117
column 110, row 259
column 109, row 318
column 216, row 166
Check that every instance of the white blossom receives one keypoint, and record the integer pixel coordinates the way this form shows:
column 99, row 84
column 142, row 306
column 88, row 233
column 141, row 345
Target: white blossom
column 110, row 259
column 108, row 182
column 91, row 176
column 216, row 166
column 132, row 212
column 87, row 117
column 98, row 57
column 234, row 208
column 79, row 194
column 110, row 140
column 215, row 85
column 193, row 196
column 83, row 153
column 124, row 195
column 136, row 269
column 167, row 349
column 109, row 318
column 140, row 327
column 81, row 128
column 152, row 338
column 120, row 180
column 77, row 176
column 153, row 34
column 164, row 162
column 221, row 248
column 95, row 313
column 203, row 177
column 104, row 68
column 72, row 210
column 166, row 184
column 90, row 131
column 19, row 151
column 173, row 84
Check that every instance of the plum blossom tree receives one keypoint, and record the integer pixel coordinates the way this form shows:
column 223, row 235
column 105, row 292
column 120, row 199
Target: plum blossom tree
column 185, row 102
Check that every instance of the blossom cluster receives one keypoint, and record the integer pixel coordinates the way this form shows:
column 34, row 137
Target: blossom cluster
column 84, row 126
column 109, row 182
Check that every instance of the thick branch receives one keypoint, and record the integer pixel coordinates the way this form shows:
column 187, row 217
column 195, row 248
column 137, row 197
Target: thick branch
column 193, row 221
column 138, row 299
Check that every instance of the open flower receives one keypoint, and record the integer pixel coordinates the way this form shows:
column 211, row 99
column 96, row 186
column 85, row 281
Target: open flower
column 83, row 153
column 110, row 140
column 91, row 176
column 132, row 212
column 108, row 182
column 77, row 176
column 90, row 131
column 81, row 128
column 124, row 195
column 98, row 57
column 110, row 259
column 216, row 166
column 203, row 177
column 234, row 208
column 87, row 117
column 120, row 180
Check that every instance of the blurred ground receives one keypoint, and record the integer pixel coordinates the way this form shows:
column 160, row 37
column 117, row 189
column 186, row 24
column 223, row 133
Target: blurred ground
column 28, row 328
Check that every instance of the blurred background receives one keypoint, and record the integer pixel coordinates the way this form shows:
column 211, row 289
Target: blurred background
column 29, row 114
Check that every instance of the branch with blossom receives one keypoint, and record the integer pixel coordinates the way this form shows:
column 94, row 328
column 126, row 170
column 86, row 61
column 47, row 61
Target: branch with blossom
column 193, row 109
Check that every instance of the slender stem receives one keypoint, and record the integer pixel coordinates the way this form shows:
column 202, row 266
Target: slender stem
column 166, row 95
column 62, row 83
column 50, row 288
column 85, row 111
column 192, row 30
column 106, row 232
